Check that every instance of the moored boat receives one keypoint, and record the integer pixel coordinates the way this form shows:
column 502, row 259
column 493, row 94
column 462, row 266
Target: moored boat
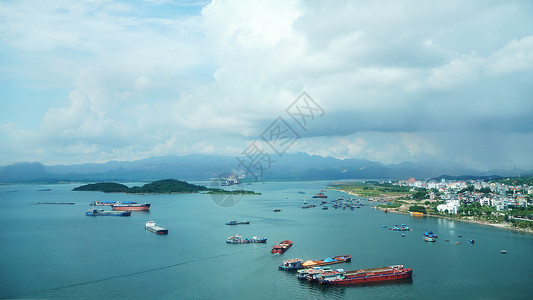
column 320, row 195
column 281, row 247
column 340, row 276
column 327, row 261
column 238, row 239
column 101, row 212
column 291, row 264
column 430, row 239
column 235, row 222
column 151, row 226
column 311, row 273
column 130, row 206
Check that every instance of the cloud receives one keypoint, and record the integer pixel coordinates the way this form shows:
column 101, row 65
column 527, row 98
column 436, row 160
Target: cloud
column 402, row 81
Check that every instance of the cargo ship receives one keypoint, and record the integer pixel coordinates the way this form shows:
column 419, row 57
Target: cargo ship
column 109, row 203
column 281, row 247
column 101, row 212
column 151, row 226
column 238, row 239
column 294, row 264
column 339, row 276
column 235, row 222
column 130, row 206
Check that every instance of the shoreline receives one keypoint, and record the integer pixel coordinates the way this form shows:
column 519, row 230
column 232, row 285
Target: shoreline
column 485, row 223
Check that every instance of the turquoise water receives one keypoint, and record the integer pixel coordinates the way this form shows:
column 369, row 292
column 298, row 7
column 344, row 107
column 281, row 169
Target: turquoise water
column 55, row 251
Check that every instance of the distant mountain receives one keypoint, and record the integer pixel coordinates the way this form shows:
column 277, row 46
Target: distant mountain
column 298, row 166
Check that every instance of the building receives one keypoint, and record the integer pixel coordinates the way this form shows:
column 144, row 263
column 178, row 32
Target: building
column 451, row 206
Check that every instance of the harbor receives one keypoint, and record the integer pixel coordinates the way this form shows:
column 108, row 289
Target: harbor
column 316, row 235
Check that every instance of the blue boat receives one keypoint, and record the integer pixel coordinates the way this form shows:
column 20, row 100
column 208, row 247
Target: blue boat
column 101, row 212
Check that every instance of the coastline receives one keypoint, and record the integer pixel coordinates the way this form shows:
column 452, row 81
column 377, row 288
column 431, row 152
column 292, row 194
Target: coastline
column 485, row 223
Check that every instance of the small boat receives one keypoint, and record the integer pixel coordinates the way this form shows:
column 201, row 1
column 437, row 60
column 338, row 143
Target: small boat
column 430, row 234
column 235, row 222
column 101, row 212
column 430, row 239
column 325, row 207
column 281, row 247
column 291, row 264
column 471, row 241
column 237, row 239
column 459, row 235
column 151, row 226
column 277, row 210
column 300, row 192
column 340, row 277
column 320, row 195
column 130, row 206
column 503, row 251
column 458, row 243
column 403, row 227
column 403, row 234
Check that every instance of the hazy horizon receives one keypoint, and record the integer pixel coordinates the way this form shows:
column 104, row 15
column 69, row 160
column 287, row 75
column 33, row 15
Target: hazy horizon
column 390, row 82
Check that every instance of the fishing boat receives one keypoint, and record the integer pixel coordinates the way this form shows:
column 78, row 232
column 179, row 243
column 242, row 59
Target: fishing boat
column 503, row 251
column 430, row 239
column 130, row 206
column 277, row 210
column 340, row 276
column 281, row 247
column 430, row 234
column 320, row 195
column 471, row 241
column 151, row 226
column 403, row 227
column 101, row 212
column 238, row 239
column 291, row 264
column 325, row 207
column 235, row 222
column 311, row 273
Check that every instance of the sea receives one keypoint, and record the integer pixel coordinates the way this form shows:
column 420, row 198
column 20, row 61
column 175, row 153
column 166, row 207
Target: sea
column 57, row 252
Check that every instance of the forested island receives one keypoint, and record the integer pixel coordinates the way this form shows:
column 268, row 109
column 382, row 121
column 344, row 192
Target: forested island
column 166, row 186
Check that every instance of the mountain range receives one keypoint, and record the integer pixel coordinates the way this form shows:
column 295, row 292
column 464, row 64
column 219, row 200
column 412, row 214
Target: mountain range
column 298, row 166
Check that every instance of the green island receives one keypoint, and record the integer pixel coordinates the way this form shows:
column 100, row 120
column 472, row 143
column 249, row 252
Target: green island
column 165, row 186
column 504, row 203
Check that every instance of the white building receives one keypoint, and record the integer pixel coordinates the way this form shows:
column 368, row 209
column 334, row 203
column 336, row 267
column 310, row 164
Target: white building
column 484, row 201
column 451, row 206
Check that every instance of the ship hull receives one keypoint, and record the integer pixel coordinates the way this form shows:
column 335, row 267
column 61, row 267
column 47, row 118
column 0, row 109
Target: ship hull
column 131, row 207
column 370, row 278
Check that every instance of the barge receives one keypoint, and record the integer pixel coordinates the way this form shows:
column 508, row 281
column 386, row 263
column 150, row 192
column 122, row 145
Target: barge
column 101, row 212
column 151, row 226
column 238, row 239
column 235, row 222
column 130, row 206
column 295, row 264
column 341, row 277
column 281, row 247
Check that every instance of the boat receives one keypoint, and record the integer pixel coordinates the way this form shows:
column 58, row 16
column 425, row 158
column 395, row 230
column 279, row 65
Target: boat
column 327, row 261
column 235, row 222
column 151, row 226
column 403, row 227
column 340, row 276
column 320, row 195
column 301, row 192
column 281, row 247
column 503, row 251
column 471, row 241
column 101, row 212
column 430, row 234
column 238, row 239
column 416, row 214
column 109, row 203
column 430, row 239
column 325, row 207
column 291, row 264
column 277, row 210
column 130, row 206
column 311, row 273
column 55, row 203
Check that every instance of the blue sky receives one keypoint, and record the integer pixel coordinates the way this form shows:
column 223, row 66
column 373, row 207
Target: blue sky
column 93, row 81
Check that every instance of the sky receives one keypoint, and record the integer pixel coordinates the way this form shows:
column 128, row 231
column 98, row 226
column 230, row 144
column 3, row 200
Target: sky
column 395, row 81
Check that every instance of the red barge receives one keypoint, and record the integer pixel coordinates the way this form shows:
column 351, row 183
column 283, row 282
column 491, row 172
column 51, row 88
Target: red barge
column 281, row 247
column 131, row 206
column 340, row 276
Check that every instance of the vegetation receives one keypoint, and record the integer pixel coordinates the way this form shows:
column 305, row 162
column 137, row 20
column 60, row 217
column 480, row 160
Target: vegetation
column 514, row 181
column 417, row 208
column 390, row 205
column 166, row 186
